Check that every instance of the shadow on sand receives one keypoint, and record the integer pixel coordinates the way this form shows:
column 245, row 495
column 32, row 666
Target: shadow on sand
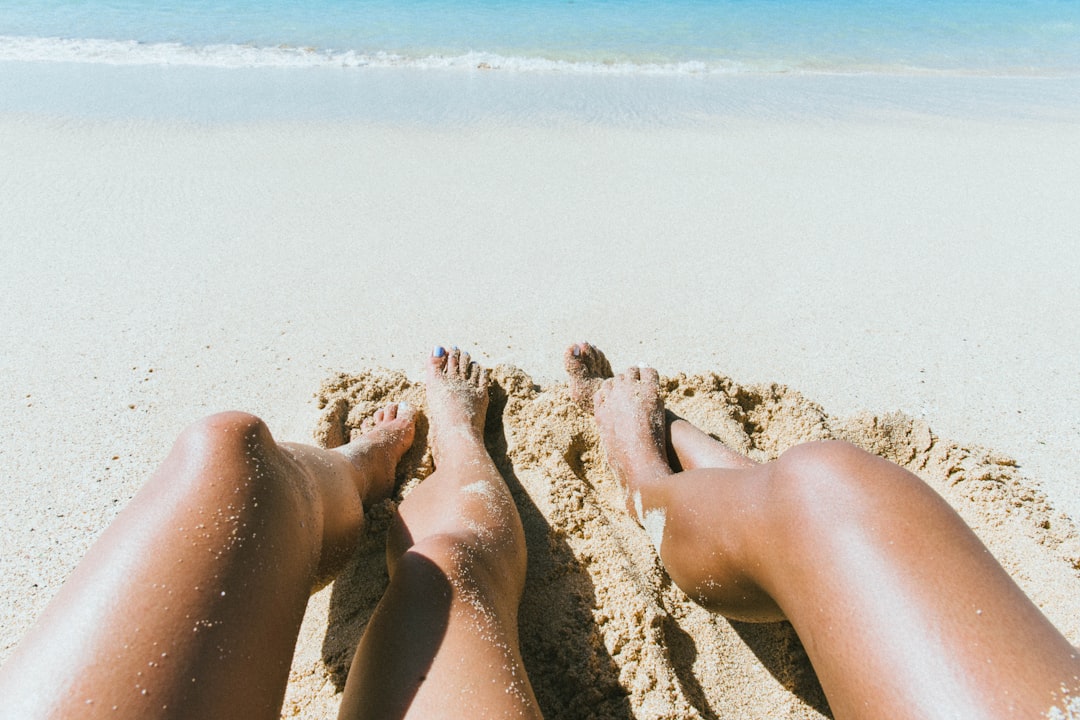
column 572, row 673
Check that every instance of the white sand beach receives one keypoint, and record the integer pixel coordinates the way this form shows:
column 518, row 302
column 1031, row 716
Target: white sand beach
column 152, row 272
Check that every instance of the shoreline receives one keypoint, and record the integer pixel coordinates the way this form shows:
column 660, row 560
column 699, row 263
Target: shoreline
column 248, row 56
column 434, row 98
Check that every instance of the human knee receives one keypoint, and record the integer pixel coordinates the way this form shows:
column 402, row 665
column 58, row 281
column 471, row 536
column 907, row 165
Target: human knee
column 835, row 460
column 468, row 562
column 451, row 552
column 224, row 435
column 227, row 470
column 834, row 479
column 229, row 452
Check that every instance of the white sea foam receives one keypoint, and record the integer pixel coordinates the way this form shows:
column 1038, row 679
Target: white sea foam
column 130, row 52
column 134, row 53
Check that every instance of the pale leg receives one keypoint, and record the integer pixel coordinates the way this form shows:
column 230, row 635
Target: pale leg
column 443, row 641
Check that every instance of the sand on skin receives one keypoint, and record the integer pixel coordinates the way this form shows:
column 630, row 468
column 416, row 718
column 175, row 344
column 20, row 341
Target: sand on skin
column 604, row 633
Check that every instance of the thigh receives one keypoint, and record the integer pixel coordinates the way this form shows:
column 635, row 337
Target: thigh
column 190, row 602
column 902, row 610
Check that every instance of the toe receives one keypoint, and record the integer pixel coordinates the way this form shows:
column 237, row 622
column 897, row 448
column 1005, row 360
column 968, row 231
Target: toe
column 573, row 357
column 464, row 365
column 452, row 361
column 633, row 373
column 650, row 375
column 438, row 358
column 602, row 392
column 596, row 362
column 576, row 360
column 387, row 413
column 603, row 367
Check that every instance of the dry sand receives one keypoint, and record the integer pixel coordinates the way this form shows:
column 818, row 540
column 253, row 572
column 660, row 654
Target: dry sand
column 153, row 273
column 604, row 633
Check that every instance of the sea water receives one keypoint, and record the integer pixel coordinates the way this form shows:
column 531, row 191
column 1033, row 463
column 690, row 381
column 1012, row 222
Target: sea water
column 659, row 58
column 978, row 36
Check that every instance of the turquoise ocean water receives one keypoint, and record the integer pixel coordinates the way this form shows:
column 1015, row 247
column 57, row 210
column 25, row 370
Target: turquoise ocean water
column 671, row 52
column 977, row 36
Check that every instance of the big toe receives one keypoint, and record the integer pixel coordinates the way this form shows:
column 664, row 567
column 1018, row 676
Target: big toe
column 401, row 412
column 396, row 420
column 586, row 361
column 437, row 362
column 587, row 368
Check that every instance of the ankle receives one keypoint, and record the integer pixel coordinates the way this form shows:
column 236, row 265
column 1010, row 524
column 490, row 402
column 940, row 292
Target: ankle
column 457, row 441
column 645, row 488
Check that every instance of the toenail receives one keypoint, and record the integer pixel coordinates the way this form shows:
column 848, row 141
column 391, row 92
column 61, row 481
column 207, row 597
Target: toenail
column 402, row 406
column 577, row 351
column 439, row 351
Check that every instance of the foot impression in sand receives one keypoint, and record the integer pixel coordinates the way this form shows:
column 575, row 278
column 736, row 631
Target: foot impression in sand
column 602, row 628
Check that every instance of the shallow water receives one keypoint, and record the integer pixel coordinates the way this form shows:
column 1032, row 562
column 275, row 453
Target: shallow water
column 684, row 36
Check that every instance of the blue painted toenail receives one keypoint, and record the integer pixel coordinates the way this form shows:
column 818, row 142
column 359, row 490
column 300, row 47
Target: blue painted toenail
column 439, row 351
column 402, row 406
column 577, row 351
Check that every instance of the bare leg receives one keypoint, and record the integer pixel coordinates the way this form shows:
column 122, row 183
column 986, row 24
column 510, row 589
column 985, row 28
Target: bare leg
column 694, row 448
column 189, row 604
column 443, row 641
column 902, row 610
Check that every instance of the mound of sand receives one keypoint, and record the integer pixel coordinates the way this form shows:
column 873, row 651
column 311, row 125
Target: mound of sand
column 604, row 632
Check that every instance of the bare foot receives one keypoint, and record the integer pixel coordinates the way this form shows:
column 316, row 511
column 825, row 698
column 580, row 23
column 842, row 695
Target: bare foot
column 351, row 478
column 630, row 418
column 457, row 399
column 587, row 368
column 386, row 436
column 465, row 499
column 686, row 446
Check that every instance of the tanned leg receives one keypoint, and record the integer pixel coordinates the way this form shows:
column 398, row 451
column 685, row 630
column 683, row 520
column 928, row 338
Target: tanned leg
column 443, row 641
column 902, row 610
column 189, row 604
